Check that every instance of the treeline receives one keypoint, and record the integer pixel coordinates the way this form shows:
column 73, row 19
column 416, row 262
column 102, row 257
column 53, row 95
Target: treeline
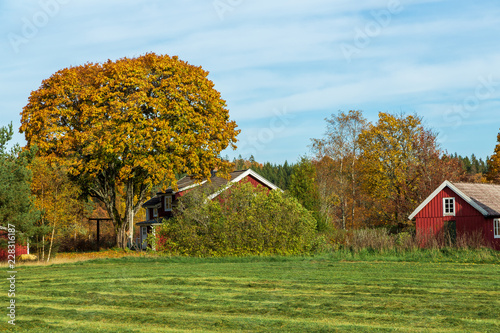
column 472, row 165
column 473, row 169
column 370, row 175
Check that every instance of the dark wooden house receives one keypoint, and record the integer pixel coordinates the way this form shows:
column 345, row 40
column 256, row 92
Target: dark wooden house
column 161, row 206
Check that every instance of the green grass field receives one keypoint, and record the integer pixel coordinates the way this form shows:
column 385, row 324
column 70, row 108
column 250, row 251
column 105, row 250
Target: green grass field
column 310, row 294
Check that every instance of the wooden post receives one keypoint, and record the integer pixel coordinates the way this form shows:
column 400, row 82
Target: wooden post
column 98, row 243
column 98, row 224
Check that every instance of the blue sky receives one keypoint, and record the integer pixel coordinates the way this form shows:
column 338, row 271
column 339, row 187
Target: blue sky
column 282, row 66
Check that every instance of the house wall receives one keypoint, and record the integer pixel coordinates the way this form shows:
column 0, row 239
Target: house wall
column 468, row 220
column 490, row 235
column 4, row 253
column 254, row 181
column 161, row 210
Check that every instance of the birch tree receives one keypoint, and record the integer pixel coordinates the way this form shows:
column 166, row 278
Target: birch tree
column 340, row 145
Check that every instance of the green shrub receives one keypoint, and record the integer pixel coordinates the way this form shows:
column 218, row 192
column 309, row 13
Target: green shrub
column 243, row 220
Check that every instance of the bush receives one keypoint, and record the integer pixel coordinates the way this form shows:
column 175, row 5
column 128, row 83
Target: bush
column 243, row 220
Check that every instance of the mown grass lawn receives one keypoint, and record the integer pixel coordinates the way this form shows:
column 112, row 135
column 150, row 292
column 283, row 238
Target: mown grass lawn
column 310, row 294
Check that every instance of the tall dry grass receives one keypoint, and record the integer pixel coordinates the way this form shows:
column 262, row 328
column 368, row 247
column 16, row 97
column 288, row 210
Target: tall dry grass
column 71, row 257
column 380, row 240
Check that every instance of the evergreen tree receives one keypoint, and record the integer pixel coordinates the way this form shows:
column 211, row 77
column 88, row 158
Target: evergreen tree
column 16, row 201
column 304, row 187
column 474, row 165
column 467, row 165
column 275, row 173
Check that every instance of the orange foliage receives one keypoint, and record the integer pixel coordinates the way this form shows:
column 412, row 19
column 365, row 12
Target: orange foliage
column 130, row 124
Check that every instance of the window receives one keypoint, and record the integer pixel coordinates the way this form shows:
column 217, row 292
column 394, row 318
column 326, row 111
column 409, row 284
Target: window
column 155, row 212
column 496, row 228
column 168, row 203
column 148, row 215
column 449, row 206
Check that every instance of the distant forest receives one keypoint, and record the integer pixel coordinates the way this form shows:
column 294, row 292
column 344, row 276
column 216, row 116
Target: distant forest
column 472, row 165
column 280, row 174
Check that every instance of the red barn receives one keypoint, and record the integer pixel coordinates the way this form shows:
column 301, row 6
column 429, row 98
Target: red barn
column 160, row 206
column 462, row 208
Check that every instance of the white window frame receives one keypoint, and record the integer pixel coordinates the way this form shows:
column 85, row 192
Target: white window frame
column 496, row 228
column 449, row 212
column 155, row 212
column 168, row 203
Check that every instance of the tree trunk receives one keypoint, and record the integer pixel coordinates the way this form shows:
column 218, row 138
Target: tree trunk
column 343, row 209
column 353, row 187
column 121, row 236
column 43, row 248
column 129, row 214
column 51, row 242
column 342, row 191
column 106, row 193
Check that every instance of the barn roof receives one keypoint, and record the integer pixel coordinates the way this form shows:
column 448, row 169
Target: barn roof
column 483, row 197
column 188, row 182
column 487, row 196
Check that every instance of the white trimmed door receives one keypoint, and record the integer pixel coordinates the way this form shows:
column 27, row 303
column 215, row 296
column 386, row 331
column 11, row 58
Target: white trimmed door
column 144, row 235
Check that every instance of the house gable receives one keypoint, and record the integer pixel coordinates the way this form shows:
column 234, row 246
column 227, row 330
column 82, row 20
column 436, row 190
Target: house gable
column 250, row 176
column 433, row 207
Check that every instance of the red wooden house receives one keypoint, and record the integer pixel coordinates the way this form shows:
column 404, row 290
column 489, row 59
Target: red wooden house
column 4, row 253
column 463, row 208
column 160, row 206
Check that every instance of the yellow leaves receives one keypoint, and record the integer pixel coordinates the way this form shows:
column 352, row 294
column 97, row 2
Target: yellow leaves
column 127, row 111
column 55, row 195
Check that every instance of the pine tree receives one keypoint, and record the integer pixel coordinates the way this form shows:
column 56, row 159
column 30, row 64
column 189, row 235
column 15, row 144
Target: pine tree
column 16, row 201
column 304, row 187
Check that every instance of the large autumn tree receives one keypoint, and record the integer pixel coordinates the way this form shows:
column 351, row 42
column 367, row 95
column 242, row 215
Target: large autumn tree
column 401, row 164
column 129, row 124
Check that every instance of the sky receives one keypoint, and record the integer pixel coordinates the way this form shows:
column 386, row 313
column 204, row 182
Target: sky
column 282, row 66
